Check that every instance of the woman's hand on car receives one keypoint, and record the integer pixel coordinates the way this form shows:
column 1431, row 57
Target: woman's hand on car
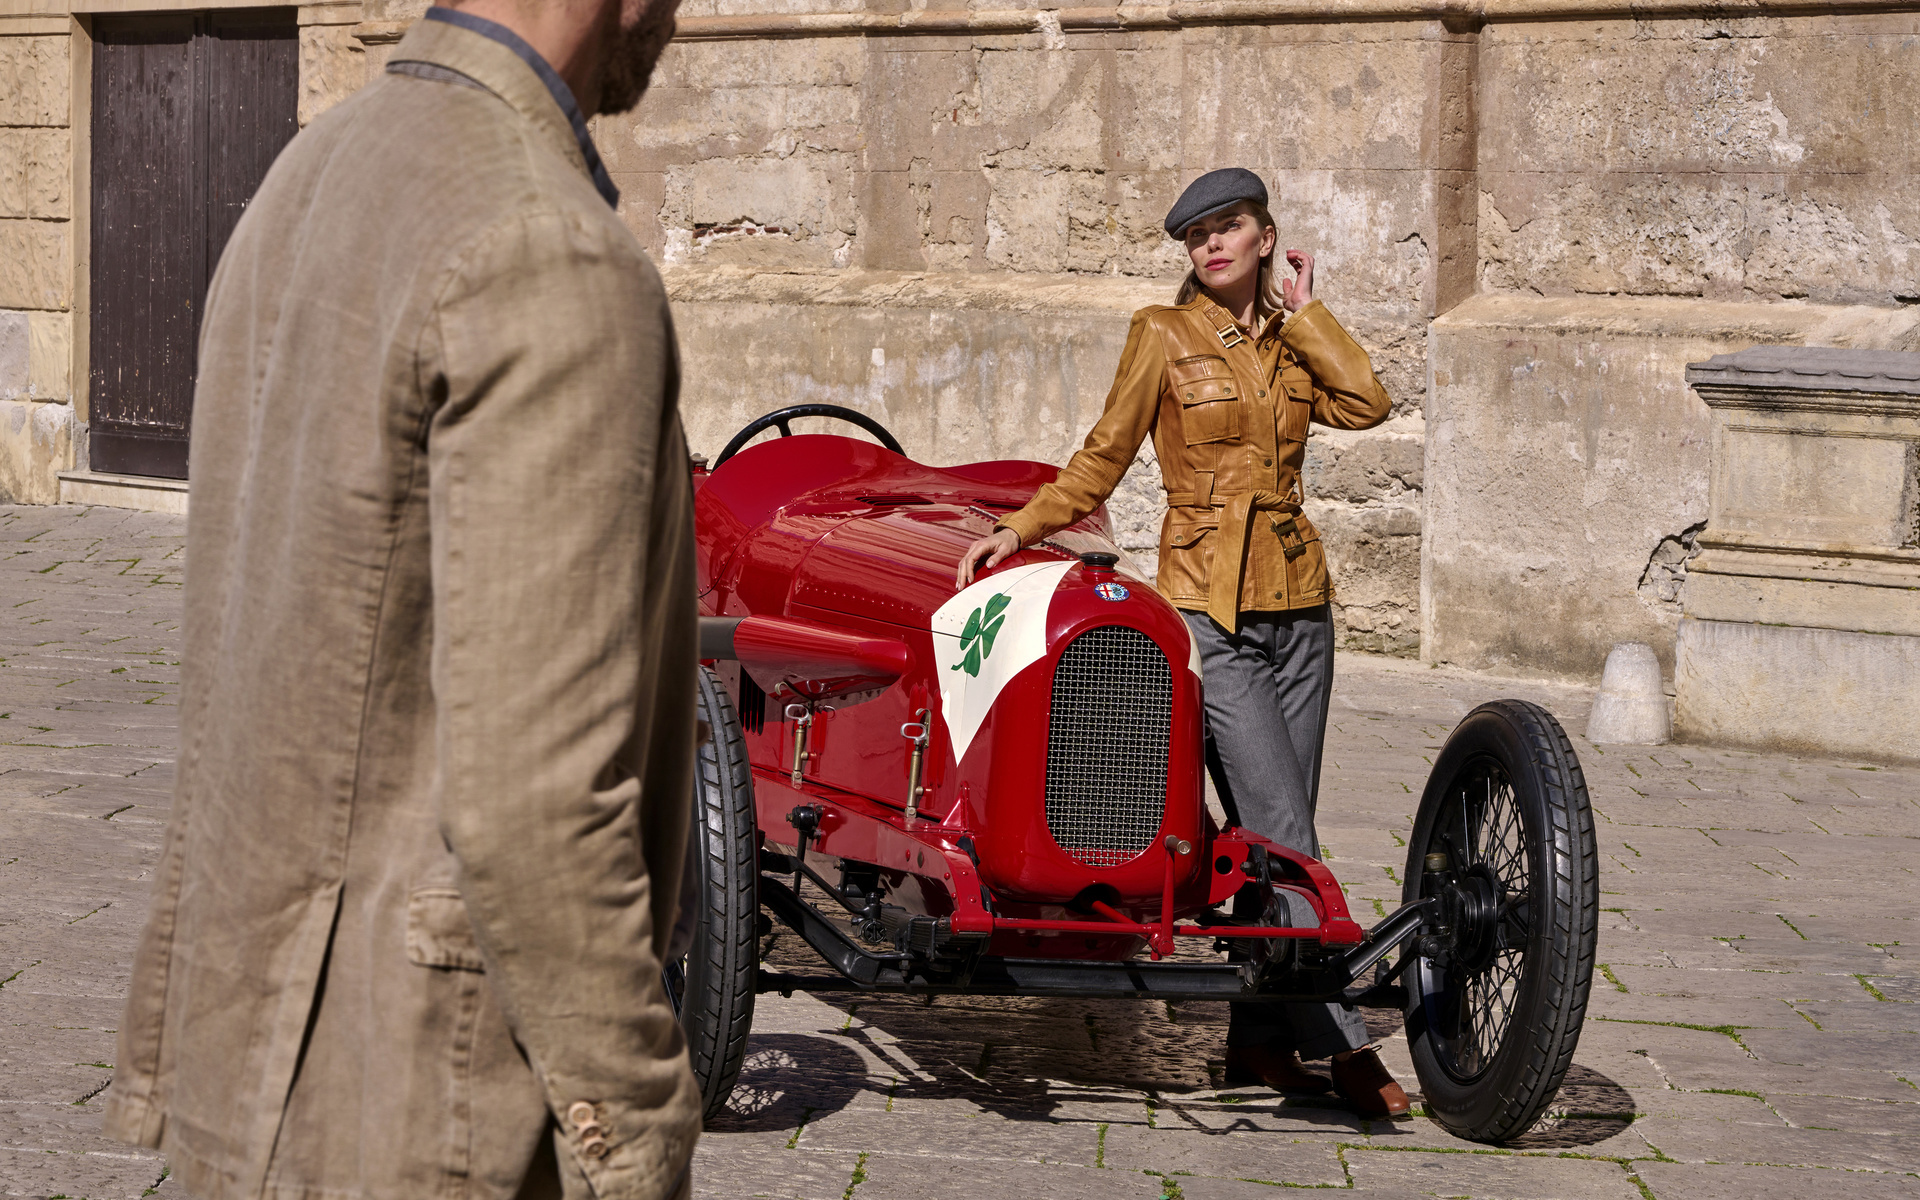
column 1297, row 292
column 989, row 551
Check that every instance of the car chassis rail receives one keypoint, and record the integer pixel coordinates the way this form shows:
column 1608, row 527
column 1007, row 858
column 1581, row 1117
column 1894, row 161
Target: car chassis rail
column 1333, row 978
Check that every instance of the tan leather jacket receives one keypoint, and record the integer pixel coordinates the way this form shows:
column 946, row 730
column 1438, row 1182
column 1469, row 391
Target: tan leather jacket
column 1229, row 415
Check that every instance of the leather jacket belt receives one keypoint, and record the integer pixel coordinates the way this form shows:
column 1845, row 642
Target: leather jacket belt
column 1230, row 551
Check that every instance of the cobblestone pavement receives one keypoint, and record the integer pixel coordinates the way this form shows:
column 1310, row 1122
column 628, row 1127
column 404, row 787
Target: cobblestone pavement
column 1752, row 1033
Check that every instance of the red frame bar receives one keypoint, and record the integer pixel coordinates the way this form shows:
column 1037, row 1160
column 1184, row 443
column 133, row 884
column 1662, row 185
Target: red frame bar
column 858, row 828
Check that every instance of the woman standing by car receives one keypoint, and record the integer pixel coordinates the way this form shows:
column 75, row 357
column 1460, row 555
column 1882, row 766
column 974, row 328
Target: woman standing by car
column 1226, row 381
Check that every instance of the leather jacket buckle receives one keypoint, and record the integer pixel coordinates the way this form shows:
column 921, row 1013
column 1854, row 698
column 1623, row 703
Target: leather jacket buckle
column 1230, row 332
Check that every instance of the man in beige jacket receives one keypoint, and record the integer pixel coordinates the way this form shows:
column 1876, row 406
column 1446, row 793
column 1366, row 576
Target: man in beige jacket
column 437, row 722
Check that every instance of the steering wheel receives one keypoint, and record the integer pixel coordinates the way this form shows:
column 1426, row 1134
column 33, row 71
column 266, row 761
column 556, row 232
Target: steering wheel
column 781, row 416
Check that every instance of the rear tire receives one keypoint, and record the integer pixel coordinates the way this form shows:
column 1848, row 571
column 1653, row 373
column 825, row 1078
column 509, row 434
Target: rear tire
column 1497, row 997
column 713, row 986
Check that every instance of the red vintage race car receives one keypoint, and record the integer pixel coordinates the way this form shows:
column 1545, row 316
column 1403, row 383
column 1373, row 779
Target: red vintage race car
column 999, row 791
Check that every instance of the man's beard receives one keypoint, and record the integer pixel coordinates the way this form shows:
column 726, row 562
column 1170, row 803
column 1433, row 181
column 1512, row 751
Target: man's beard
column 630, row 66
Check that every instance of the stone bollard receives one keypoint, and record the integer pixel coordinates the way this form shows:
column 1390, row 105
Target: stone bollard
column 1631, row 708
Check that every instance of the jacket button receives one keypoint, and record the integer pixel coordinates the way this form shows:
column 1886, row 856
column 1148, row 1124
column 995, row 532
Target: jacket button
column 580, row 1113
column 1263, row 395
column 594, row 1147
column 1279, row 595
column 1189, row 395
column 1269, row 462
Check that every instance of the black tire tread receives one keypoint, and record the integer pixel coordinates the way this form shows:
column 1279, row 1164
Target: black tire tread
column 1553, row 1037
column 717, row 1009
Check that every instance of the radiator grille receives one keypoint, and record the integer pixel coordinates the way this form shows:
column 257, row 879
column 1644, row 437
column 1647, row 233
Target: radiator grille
column 1107, row 746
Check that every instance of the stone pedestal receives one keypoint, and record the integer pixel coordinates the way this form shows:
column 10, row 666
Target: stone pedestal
column 1802, row 612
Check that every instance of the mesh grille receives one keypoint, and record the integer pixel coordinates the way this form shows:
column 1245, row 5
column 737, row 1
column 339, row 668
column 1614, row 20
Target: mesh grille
column 1107, row 747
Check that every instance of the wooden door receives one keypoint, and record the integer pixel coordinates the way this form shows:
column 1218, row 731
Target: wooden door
column 189, row 110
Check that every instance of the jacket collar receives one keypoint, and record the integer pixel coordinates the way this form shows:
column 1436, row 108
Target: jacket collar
column 1204, row 306
column 1221, row 322
column 493, row 57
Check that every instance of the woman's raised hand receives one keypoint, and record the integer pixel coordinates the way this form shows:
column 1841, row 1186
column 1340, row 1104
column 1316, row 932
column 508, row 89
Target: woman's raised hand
column 1297, row 292
column 989, row 551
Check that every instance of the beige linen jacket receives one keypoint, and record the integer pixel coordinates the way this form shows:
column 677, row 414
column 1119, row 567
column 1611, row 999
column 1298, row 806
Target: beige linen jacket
column 1228, row 411
column 437, row 717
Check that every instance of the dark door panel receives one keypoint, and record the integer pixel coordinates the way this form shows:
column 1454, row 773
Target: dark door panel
column 147, row 251
column 253, row 103
column 189, row 111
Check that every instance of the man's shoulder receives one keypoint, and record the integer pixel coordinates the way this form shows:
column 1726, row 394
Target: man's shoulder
column 452, row 160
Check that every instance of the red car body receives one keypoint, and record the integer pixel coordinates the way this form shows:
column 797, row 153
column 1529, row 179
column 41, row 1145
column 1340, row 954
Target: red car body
column 832, row 561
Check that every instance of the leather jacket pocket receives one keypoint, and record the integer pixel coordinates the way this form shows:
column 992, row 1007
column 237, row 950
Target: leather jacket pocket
column 1186, row 552
column 1185, row 537
column 1296, row 411
column 1209, row 398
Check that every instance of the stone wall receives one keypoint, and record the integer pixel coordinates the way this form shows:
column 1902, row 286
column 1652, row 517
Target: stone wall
column 36, row 258
column 1652, row 192
column 1531, row 212
column 945, row 226
column 949, row 232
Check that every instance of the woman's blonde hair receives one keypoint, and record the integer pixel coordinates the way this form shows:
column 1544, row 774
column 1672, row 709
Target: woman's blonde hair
column 1268, row 298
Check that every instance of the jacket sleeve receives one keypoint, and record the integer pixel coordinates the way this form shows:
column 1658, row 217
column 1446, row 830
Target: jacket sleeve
column 1095, row 469
column 563, row 670
column 1346, row 394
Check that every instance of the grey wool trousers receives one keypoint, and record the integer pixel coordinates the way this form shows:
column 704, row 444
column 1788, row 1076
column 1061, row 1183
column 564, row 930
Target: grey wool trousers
column 1267, row 688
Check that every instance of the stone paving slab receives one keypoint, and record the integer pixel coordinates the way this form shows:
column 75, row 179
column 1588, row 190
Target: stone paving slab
column 902, row 1178
column 1751, row 1034
column 1766, row 1183
column 1493, row 1177
column 1260, row 1156
column 726, row 1170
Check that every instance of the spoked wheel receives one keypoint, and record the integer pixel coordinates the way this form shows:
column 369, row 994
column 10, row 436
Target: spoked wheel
column 1498, row 981
column 712, row 987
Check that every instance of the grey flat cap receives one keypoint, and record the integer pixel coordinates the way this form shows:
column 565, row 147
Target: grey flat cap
column 1212, row 192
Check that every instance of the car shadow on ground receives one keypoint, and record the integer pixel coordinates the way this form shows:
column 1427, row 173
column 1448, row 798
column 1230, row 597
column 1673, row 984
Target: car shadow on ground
column 1054, row 1060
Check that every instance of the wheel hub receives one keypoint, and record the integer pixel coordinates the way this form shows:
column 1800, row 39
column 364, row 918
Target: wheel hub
column 1472, row 908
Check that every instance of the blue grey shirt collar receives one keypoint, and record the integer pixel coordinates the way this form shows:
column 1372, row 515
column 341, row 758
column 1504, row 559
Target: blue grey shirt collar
column 562, row 94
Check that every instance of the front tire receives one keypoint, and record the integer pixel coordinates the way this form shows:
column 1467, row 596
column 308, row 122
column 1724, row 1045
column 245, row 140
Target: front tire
column 713, row 986
column 1498, row 987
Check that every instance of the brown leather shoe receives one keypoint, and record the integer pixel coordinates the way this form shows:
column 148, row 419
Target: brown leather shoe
column 1366, row 1084
column 1278, row 1069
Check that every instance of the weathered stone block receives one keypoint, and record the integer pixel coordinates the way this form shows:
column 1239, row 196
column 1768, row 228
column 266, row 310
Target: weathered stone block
column 783, row 213
column 1688, row 96
column 36, row 350
column 13, row 354
column 50, row 356
column 1322, row 105
column 13, row 173
column 333, row 65
column 1563, row 453
column 1373, row 553
column 1803, row 611
column 36, row 442
column 36, row 173
column 36, row 264
column 1363, row 466
column 1799, row 690
column 49, row 161
column 1846, row 238
column 34, row 80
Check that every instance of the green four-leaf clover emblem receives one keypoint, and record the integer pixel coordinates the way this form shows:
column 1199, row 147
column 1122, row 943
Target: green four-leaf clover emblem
column 982, row 627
